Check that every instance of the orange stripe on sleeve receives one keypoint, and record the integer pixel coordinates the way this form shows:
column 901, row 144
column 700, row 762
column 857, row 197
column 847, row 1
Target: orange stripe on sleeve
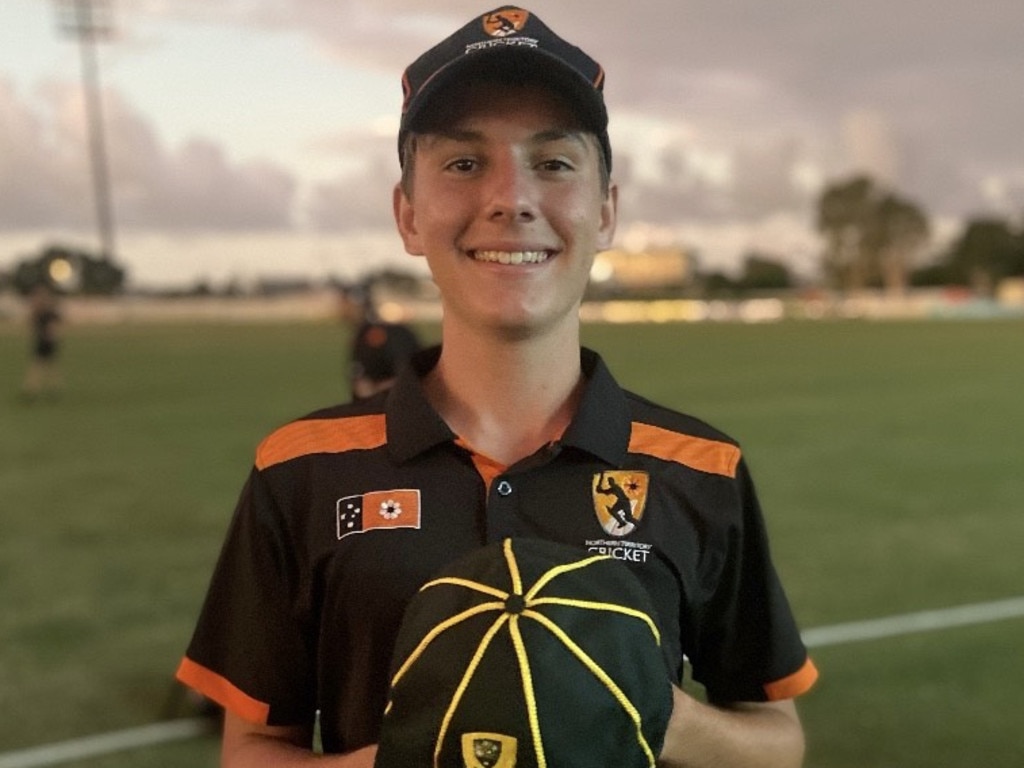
column 301, row 438
column 215, row 687
column 699, row 453
column 792, row 686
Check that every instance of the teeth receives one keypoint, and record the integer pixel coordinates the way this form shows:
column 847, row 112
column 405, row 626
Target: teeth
column 511, row 257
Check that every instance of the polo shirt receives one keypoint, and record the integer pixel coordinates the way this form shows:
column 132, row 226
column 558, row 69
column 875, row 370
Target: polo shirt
column 349, row 510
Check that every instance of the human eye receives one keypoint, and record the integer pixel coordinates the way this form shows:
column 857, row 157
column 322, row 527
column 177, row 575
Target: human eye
column 556, row 165
column 559, row 158
column 462, row 165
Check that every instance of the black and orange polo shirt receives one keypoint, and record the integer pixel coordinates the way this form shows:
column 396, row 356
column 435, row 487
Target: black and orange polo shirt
column 348, row 511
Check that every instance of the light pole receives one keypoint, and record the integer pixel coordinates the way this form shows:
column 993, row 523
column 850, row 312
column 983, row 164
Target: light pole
column 89, row 21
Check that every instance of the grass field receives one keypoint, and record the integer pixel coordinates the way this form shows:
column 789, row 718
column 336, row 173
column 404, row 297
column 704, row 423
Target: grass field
column 888, row 456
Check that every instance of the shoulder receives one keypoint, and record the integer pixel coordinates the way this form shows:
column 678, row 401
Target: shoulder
column 338, row 429
column 648, row 412
column 673, row 436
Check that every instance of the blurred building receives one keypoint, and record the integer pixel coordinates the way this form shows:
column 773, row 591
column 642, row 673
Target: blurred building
column 656, row 270
column 1010, row 291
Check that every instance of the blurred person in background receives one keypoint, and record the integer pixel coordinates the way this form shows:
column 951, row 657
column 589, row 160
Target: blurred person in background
column 42, row 377
column 378, row 349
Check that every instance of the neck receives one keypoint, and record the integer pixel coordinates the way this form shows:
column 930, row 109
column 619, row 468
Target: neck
column 507, row 399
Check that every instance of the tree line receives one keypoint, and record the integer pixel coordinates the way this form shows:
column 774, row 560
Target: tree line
column 876, row 238
column 872, row 238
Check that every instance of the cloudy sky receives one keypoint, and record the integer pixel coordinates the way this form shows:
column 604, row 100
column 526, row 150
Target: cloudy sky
column 255, row 137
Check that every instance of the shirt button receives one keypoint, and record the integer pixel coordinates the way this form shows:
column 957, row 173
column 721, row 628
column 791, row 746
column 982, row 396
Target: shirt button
column 504, row 488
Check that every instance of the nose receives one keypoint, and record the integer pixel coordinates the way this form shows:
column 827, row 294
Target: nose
column 511, row 191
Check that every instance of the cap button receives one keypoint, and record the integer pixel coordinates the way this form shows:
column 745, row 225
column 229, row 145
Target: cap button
column 515, row 604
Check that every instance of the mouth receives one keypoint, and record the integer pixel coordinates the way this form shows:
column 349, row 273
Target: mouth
column 511, row 257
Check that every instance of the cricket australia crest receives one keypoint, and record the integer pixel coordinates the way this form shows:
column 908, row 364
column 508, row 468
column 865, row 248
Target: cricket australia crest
column 488, row 750
column 619, row 500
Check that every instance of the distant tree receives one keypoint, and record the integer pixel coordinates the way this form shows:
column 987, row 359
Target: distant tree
column 763, row 273
column 844, row 220
column 718, row 285
column 932, row 275
column 69, row 270
column 872, row 236
column 201, row 288
column 395, row 280
column 900, row 233
column 988, row 250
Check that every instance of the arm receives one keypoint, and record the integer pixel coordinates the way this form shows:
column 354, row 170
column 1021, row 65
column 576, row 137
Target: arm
column 250, row 745
column 748, row 734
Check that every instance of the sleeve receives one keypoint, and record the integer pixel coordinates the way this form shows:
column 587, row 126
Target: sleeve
column 750, row 647
column 253, row 647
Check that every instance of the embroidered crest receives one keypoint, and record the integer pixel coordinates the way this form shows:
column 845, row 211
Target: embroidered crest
column 620, row 497
column 488, row 750
column 506, row 22
column 399, row 508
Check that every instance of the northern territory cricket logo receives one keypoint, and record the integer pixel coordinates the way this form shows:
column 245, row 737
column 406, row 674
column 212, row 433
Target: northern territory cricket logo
column 505, row 22
column 488, row 750
column 619, row 500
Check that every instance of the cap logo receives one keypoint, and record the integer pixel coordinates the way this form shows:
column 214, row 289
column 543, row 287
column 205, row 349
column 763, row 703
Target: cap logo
column 488, row 750
column 507, row 21
column 620, row 497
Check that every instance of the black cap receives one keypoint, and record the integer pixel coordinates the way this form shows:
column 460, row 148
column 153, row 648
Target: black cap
column 507, row 43
column 528, row 653
column 380, row 350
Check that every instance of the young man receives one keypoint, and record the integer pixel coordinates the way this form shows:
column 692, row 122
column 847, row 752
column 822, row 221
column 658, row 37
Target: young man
column 507, row 429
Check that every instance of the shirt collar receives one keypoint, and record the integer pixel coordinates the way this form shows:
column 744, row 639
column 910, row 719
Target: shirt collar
column 413, row 426
column 602, row 422
column 601, row 425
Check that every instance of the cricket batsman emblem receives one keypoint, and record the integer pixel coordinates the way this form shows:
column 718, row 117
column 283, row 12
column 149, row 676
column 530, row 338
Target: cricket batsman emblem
column 506, row 22
column 619, row 500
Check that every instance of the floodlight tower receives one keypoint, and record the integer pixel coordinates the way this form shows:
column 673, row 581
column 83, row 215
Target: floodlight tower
column 90, row 21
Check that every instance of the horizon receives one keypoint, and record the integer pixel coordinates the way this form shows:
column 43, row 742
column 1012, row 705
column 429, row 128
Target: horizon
column 256, row 139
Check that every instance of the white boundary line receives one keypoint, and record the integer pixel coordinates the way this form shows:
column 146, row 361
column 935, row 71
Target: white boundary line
column 105, row 743
column 908, row 623
column 837, row 634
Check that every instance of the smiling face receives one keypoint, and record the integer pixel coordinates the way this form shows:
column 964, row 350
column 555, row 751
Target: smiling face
column 507, row 203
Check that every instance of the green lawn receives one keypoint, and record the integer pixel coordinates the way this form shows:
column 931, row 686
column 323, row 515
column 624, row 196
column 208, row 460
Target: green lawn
column 888, row 457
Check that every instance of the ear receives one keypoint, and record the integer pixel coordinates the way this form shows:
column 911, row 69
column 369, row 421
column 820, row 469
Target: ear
column 405, row 220
column 609, row 218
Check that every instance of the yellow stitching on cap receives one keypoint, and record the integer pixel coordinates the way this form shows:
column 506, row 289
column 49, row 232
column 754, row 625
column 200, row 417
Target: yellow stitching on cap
column 528, row 693
column 437, row 630
column 520, row 647
column 513, row 567
column 610, row 607
column 558, row 570
column 601, row 675
column 474, row 662
column 475, row 586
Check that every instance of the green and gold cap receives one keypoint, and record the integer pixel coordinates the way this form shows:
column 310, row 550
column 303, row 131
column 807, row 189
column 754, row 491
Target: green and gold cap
column 528, row 654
